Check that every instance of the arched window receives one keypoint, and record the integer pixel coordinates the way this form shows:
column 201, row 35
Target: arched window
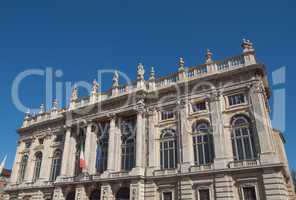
column 202, row 143
column 38, row 162
column 128, row 144
column 242, row 138
column 102, row 147
column 168, row 149
column 22, row 169
column 56, row 165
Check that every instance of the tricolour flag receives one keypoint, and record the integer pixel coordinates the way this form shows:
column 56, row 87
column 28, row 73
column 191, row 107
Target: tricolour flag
column 81, row 159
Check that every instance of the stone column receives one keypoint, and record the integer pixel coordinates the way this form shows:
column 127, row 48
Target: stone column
column 140, row 140
column 152, row 139
column 47, row 158
column 58, row 194
column 72, row 155
column 112, row 145
column 66, row 152
column 80, row 193
column 90, row 149
column 31, row 162
column 106, row 192
column 186, row 137
column 221, row 136
column 137, row 191
column 17, row 161
column 263, row 124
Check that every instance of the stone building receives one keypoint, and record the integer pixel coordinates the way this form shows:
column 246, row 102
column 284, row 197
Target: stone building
column 201, row 133
column 4, row 179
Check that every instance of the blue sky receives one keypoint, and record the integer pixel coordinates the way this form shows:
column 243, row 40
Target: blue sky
column 80, row 37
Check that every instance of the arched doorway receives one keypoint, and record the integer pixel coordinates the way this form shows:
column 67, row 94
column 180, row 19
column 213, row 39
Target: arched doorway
column 95, row 195
column 71, row 196
column 123, row 194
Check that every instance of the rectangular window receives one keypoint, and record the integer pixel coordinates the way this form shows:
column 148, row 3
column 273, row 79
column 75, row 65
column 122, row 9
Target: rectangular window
column 236, row 99
column 204, row 194
column 167, row 115
column 199, row 106
column 167, row 196
column 249, row 193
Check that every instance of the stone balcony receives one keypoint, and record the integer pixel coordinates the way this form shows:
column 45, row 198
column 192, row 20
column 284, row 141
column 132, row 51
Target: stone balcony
column 29, row 185
column 244, row 163
column 165, row 172
column 199, row 168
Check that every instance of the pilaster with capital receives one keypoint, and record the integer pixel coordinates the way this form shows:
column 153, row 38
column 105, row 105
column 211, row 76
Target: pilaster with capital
column 140, row 135
column 66, row 152
column 221, row 135
column 58, row 194
column 17, row 161
column 90, row 149
column 72, row 154
column 106, row 192
column 152, row 138
column 31, row 163
column 186, row 137
column 80, row 193
column 47, row 155
column 263, row 123
column 113, row 145
column 137, row 191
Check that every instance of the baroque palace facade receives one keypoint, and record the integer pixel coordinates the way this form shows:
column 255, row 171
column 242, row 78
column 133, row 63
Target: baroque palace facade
column 202, row 133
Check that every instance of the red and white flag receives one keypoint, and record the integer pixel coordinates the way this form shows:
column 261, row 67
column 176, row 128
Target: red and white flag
column 81, row 159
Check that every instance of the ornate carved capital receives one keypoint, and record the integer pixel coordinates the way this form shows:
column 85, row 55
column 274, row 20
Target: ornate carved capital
column 181, row 103
column 258, row 88
column 151, row 110
column 215, row 96
column 111, row 115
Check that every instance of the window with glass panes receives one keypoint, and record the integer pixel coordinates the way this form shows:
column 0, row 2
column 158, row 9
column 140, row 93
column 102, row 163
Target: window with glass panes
column 128, row 130
column 102, row 146
column 56, row 165
column 249, row 193
column 168, row 149
column 23, row 168
column 243, row 143
column 167, row 195
column 202, row 143
column 38, row 162
column 236, row 99
column 167, row 114
column 203, row 194
column 199, row 106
